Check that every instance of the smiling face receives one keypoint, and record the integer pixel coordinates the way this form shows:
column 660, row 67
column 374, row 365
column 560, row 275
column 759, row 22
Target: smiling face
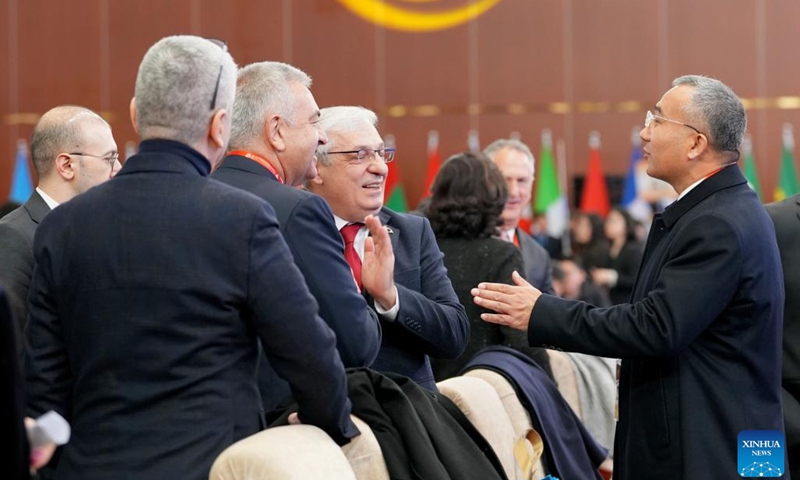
column 353, row 188
column 517, row 169
column 302, row 137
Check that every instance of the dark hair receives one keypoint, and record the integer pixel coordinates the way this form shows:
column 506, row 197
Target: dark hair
column 630, row 223
column 467, row 197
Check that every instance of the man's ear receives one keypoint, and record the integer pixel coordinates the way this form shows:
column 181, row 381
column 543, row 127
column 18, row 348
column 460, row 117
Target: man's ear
column 64, row 166
column 699, row 146
column 216, row 129
column 274, row 132
column 133, row 115
column 316, row 181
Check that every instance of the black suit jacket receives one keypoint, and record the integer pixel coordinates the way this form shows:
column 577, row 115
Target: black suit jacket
column 431, row 321
column 16, row 253
column 538, row 270
column 308, row 227
column 148, row 297
column 701, row 342
column 13, row 458
column 786, row 217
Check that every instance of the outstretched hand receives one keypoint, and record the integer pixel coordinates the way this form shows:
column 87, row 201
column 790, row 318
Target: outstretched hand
column 513, row 304
column 377, row 268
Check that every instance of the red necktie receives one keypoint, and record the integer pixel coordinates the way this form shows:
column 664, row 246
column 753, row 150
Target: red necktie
column 349, row 233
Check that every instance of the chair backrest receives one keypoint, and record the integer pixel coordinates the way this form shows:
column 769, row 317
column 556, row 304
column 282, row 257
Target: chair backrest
column 519, row 417
column 294, row 452
column 482, row 406
column 364, row 454
column 564, row 375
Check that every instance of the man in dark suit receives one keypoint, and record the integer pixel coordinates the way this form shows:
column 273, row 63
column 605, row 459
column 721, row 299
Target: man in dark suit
column 700, row 341
column 73, row 150
column 420, row 312
column 275, row 134
column 151, row 292
column 516, row 163
column 786, row 217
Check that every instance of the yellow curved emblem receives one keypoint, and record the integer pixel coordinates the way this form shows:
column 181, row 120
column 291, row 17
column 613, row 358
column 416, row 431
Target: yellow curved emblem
column 381, row 12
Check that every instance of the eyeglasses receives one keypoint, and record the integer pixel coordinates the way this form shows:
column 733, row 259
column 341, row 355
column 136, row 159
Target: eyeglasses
column 651, row 116
column 387, row 154
column 222, row 44
column 111, row 159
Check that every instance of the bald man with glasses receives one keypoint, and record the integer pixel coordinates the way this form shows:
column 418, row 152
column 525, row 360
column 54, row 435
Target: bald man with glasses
column 73, row 150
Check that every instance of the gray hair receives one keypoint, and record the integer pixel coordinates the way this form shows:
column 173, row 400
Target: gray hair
column 263, row 89
column 175, row 85
column 512, row 144
column 715, row 106
column 344, row 119
column 59, row 130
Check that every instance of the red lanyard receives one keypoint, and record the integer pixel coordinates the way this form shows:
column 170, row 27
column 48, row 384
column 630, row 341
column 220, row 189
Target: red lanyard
column 259, row 160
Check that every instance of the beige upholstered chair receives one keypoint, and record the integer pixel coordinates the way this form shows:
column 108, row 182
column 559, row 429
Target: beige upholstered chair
column 364, row 454
column 519, row 417
column 294, row 452
column 564, row 375
column 482, row 406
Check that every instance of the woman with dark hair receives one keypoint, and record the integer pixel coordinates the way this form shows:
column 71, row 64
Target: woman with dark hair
column 467, row 197
column 618, row 274
column 588, row 241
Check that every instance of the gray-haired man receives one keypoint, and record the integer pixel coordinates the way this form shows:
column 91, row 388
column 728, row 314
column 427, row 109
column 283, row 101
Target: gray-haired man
column 152, row 291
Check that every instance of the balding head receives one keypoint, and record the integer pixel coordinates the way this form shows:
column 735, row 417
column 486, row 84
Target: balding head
column 60, row 130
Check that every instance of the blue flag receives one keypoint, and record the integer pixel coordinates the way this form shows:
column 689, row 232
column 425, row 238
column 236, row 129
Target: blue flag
column 629, row 191
column 21, row 183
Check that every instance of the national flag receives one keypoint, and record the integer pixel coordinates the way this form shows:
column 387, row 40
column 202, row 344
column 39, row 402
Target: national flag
column 749, row 165
column 21, row 183
column 393, row 195
column 787, row 179
column 594, row 198
column 549, row 198
column 434, row 162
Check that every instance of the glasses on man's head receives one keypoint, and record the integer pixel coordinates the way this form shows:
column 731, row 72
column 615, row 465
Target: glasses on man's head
column 387, row 154
column 111, row 159
column 222, row 44
column 650, row 117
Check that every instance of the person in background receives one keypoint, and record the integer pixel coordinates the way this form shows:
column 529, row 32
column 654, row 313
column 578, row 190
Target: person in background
column 516, row 163
column 589, row 242
column 571, row 281
column 786, row 218
column 467, row 197
column 73, row 150
column 618, row 274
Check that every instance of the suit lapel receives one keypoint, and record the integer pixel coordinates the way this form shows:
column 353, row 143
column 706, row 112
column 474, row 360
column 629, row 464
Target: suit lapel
column 394, row 232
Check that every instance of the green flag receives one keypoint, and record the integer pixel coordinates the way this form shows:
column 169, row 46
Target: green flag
column 749, row 166
column 548, row 197
column 787, row 179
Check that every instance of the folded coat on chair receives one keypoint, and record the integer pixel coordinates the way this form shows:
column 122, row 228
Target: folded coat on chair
column 570, row 451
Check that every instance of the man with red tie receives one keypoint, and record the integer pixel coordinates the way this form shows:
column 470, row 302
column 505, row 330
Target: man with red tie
column 275, row 133
column 419, row 310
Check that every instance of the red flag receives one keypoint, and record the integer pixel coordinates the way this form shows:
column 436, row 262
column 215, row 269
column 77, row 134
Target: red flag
column 594, row 198
column 434, row 162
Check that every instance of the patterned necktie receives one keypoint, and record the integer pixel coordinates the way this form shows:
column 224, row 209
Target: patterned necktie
column 349, row 233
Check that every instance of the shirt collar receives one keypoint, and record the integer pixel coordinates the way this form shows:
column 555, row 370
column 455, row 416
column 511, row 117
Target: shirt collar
column 47, row 199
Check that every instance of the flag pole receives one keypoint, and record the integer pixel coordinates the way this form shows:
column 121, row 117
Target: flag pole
column 561, row 158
